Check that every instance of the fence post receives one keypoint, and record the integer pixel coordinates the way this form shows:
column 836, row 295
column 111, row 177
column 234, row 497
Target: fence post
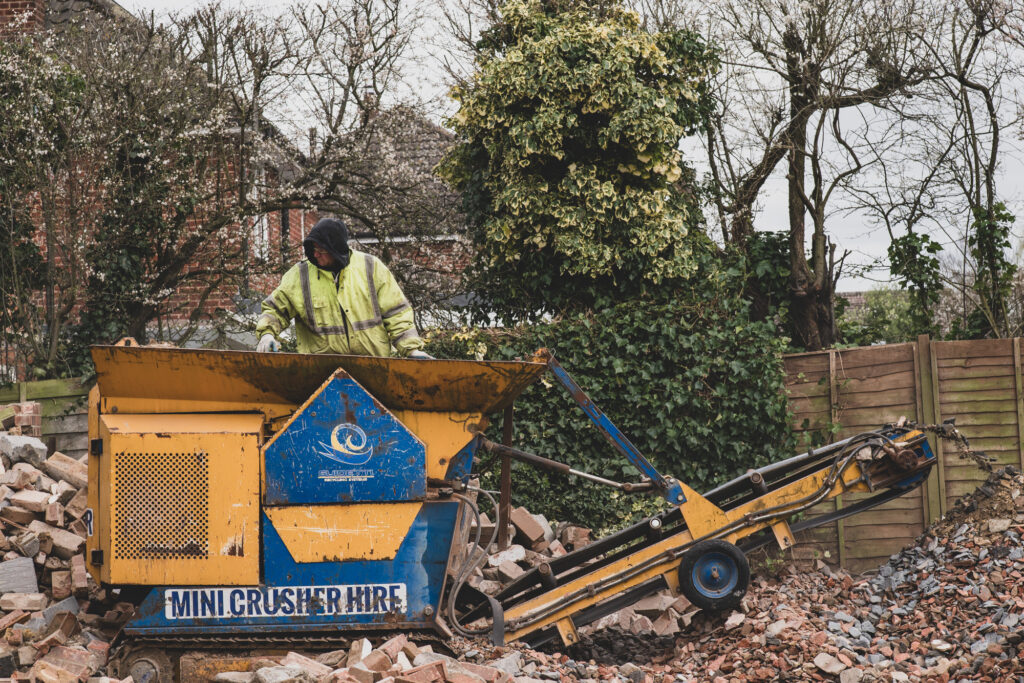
column 929, row 401
column 833, row 402
column 1019, row 386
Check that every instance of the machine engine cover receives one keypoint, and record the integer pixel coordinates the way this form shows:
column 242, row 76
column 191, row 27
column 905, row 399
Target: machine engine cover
column 343, row 446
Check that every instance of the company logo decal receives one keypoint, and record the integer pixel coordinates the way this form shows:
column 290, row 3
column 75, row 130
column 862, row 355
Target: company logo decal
column 349, row 445
column 287, row 601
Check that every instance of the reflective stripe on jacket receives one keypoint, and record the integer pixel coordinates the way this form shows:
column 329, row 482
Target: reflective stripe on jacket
column 365, row 313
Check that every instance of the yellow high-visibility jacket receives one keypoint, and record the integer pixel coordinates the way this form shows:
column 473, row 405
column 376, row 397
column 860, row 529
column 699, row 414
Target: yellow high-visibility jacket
column 363, row 313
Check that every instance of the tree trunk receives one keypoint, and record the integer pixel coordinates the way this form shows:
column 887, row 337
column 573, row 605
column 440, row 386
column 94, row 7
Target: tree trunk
column 811, row 309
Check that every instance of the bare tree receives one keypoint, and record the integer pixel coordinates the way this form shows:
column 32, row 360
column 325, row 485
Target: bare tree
column 943, row 177
column 804, row 84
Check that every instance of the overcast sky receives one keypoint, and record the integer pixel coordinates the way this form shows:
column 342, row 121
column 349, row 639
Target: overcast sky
column 866, row 243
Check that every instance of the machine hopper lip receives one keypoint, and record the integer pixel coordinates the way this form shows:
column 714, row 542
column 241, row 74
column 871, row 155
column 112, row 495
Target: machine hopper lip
column 164, row 375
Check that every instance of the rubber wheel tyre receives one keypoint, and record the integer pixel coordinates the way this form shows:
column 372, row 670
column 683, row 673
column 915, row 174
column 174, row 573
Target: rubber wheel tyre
column 147, row 665
column 714, row 575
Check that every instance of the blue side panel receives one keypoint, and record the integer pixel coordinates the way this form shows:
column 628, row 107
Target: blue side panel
column 462, row 462
column 404, row 592
column 344, row 447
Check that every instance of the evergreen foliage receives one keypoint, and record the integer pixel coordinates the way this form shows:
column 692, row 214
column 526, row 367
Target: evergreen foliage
column 569, row 170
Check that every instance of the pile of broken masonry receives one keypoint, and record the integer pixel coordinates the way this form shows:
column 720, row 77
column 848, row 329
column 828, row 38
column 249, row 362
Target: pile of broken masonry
column 948, row 608
column 45, row 589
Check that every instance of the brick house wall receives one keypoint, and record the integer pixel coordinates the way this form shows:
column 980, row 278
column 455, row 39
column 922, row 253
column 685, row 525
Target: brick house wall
column 21, row 16
column 275, row 239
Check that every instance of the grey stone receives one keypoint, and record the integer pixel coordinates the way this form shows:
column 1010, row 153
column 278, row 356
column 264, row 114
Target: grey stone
column 18, row 576
column 23, row 449
column 282, row 674
column 65, row 605
column 828, row 663
column 850, row 676
column 234, row 677
column 511, row 664
column 998, row 526
column 514, row 553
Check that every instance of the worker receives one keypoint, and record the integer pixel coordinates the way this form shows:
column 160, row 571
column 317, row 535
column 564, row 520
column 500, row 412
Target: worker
column 342, row 300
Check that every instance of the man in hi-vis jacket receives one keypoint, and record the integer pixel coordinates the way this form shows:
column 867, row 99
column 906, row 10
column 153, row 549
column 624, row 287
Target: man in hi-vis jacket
column 342, row 301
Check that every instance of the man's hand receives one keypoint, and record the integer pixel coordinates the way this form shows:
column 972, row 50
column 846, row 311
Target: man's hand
column 268, row 343
column 420, row 355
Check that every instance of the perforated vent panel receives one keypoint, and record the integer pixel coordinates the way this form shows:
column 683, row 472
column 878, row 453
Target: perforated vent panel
column 162, row 506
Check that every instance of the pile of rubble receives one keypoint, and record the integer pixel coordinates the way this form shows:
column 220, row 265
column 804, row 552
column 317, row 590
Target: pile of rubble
column 535, row 542
column 44, row 587
column 397, row 660
column 948, row 608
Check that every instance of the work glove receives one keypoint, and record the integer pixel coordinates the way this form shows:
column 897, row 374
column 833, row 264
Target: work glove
column 420, row 355
column 268, row 343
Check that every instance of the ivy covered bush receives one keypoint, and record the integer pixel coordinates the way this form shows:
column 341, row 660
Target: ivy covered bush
column 698, row 389
column 572, row 182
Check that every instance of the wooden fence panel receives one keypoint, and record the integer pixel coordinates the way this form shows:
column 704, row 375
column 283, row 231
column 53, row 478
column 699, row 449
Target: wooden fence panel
column 977, row 385
column 835, row 394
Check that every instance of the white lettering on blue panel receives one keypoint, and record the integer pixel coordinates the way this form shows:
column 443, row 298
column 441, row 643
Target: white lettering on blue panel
column 286, row 601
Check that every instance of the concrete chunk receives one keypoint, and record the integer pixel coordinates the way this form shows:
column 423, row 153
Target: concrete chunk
column 65, row 544
column 233, row 677
column 23, row 449
column 34, row 501
column 313, row 668
column 64, row 468
column 18, row 576
column 282, row 674
column 514, row 553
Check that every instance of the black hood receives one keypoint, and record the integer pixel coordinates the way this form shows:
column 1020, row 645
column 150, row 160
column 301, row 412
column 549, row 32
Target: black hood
column 332, row 235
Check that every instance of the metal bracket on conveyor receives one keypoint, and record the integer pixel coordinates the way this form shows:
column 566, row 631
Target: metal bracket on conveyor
column 668, row 487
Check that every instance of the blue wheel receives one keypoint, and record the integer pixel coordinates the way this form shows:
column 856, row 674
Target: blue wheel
column 714, row 575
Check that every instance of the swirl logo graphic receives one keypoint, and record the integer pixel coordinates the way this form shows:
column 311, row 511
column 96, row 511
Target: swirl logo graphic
column 349, row 445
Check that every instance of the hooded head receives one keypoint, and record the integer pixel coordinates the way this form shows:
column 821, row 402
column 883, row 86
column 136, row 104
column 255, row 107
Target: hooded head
column 331, row 235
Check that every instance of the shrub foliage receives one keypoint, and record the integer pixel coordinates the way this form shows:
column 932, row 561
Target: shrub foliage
column 698, row 389
column 569, row 167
